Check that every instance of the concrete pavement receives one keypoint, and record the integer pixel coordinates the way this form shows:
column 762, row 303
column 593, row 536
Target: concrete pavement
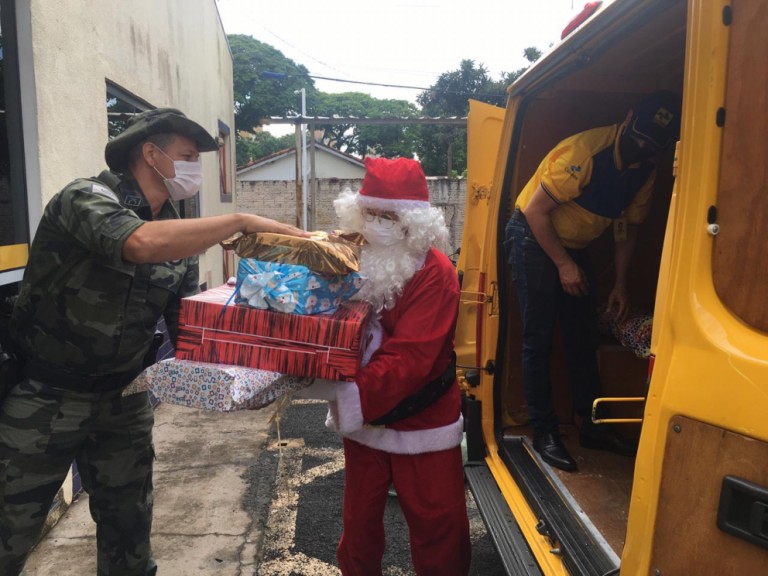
column 200, row 525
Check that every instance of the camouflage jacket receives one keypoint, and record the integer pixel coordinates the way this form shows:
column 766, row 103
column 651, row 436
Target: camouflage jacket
column 82, row 309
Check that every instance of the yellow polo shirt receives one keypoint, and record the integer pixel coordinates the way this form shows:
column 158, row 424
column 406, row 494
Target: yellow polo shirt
column 584, row 176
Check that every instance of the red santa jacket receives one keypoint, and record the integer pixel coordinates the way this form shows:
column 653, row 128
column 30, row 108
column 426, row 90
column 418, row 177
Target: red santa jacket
column 416, row 348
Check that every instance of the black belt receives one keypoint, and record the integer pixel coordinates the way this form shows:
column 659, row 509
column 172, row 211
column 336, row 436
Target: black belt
column 36, row 370
column 422, row 399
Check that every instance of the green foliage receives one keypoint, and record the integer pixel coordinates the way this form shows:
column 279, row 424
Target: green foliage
column 257, row 97
column 443, row 149
column 251, row 147
column 364, row 139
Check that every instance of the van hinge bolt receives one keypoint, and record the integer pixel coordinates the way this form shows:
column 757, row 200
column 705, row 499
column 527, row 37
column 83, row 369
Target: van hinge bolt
column 657, row 572
column 727, row 15
column 720, row 117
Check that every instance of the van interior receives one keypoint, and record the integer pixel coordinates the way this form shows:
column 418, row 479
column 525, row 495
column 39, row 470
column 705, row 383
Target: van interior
column 603, row 80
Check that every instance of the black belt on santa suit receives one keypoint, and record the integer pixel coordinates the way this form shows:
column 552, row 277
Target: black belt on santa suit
column 422, row 399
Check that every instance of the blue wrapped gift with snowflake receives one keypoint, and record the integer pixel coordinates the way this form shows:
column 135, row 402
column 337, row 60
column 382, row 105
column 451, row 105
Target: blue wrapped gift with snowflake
column 292, row 288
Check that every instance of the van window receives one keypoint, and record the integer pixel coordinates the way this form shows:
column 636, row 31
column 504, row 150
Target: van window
column 740, row 272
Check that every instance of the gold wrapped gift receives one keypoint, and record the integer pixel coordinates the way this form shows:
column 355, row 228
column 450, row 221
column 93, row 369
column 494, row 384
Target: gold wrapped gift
column 322, row 253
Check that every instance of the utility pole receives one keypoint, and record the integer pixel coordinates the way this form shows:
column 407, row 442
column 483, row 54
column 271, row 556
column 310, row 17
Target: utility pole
column 303, row 164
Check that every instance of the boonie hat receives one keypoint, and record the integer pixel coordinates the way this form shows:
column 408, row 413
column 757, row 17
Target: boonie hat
column 656, row 118
column 393, row 184
column 157, row 121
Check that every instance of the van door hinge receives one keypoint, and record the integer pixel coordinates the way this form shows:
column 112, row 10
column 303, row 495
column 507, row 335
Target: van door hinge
column 720, row 117
column 493, row 300
column 727, row 15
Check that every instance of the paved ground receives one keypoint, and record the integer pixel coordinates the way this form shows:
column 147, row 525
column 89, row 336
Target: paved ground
column 231, row 498
column 200, row 525
column 304, row 522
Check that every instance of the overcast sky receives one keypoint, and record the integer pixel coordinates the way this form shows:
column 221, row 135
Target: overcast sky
column 400, row 42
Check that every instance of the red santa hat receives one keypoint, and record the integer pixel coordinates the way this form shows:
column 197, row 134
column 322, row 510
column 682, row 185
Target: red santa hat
column 392, row 185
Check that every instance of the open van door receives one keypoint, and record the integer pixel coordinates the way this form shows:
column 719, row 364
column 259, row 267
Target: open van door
column 484, row 125
column 695, row 393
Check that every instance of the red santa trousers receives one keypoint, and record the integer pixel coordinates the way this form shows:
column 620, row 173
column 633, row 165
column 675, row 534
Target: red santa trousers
column 430, row 489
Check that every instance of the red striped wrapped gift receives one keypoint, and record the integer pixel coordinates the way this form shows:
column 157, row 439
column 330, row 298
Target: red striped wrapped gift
column 323, row 345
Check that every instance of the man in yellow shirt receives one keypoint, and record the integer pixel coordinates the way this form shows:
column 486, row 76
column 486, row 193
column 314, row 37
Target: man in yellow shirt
column 586, row 183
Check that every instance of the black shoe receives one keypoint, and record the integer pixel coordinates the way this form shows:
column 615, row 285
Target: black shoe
column 596, row 439
column 553, row 452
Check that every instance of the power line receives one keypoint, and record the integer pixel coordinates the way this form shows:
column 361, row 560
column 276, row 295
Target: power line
column 328, row 78
column 367, row 83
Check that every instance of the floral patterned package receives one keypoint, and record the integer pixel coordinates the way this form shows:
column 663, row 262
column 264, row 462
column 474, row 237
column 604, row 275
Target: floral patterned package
column 215, row 387
column 634, row 332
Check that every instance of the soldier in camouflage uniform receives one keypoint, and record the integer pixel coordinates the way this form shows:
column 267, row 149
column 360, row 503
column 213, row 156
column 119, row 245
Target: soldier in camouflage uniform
column 109, row 258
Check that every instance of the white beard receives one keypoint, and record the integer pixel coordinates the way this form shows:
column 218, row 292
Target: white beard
column 387, row 270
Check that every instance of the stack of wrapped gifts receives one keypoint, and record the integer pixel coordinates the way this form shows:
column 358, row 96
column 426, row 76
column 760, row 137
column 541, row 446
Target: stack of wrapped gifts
column 214, row 328
column 286, row 320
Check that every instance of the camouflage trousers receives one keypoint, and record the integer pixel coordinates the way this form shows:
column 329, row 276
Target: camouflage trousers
column 44, row 429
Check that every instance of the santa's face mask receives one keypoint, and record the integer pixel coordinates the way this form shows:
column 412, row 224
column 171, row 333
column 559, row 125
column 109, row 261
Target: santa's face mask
column 382, row 232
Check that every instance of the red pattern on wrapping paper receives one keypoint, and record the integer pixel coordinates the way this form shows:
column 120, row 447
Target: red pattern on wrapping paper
column 325, row 345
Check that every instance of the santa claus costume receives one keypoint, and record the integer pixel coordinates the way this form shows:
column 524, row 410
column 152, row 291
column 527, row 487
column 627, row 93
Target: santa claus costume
column 389, row 438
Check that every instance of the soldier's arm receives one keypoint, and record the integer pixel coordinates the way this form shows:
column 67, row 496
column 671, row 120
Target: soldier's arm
column 164, row 240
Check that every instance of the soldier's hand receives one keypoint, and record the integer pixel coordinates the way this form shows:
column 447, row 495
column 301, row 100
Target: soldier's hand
column 256, row 223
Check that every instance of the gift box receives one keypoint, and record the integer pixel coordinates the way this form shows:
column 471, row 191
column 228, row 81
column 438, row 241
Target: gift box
column 321, row 252
column 213, row 328
column 634, row 332
column 292, row 288
column 214, row 386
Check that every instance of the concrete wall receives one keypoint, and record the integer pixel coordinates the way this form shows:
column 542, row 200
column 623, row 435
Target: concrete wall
column 327, row 165
column 170, row 53
column 277, row 199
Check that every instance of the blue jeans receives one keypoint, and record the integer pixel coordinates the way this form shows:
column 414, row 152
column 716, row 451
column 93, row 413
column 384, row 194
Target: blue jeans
column 542, row 301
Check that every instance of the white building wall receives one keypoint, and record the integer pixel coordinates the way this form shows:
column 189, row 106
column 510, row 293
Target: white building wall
column 169, row 53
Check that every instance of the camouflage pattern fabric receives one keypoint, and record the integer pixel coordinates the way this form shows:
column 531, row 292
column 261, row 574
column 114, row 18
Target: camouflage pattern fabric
column 85, row 315
column 42, row 430
column 83, row 309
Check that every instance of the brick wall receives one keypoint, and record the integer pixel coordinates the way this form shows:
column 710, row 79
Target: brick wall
column 277, row 199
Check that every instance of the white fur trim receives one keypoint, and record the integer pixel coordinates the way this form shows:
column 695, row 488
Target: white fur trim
column 349, row 413
column 391, row 205
column 402, row 442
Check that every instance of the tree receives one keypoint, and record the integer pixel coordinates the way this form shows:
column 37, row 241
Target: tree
column 258, row 96
column 531, row 54
column 443, row 149
column 254, row 146
column 364, row 139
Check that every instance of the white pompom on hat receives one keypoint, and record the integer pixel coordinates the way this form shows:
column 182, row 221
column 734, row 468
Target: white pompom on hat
column 393, row 184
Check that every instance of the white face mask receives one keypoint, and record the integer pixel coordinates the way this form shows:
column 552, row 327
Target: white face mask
column 378, row 235
column 186, row 183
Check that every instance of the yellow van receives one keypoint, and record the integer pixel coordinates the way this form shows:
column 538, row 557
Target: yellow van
column 694, row 501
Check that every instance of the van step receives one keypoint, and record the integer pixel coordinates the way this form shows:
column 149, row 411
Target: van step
column 502, row 527
column 582, row 553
